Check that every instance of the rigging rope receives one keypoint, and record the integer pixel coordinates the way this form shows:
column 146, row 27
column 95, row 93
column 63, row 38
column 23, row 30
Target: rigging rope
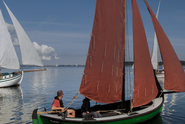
column 71, row 102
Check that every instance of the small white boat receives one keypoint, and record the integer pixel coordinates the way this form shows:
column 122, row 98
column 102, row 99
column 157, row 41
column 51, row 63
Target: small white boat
column 155, row 57
column 11, row 79
column 8, row 56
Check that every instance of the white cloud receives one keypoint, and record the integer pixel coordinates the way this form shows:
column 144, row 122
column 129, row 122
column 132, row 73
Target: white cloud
column 13, row 34
column 55, row 56
column 11, row 28
column 43, row 49
column 15, row 41
column 45, row 57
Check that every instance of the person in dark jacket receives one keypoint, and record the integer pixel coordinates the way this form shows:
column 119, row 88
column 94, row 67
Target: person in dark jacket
column 58, row 104
column 86, row 112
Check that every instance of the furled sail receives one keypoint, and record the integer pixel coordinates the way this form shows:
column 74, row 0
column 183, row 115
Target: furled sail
column 102, row 78
column 28, row 52
column 174, row 73
column 8, row 56
column 145, row 87
column 154, row 58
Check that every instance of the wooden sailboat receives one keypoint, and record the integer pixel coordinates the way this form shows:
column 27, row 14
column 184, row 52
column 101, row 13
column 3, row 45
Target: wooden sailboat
column 155, row 58
column 103, row 78
column 8, row 56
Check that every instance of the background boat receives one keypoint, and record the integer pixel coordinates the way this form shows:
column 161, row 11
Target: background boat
column 8, row 56
column 155, row 54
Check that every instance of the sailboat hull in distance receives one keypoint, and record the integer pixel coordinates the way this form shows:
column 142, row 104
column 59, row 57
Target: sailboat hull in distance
column 11, row 79
column 8, row 55
column 160, row 74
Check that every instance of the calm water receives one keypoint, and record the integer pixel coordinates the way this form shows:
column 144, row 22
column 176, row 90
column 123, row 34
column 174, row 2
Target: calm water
column 38, row 90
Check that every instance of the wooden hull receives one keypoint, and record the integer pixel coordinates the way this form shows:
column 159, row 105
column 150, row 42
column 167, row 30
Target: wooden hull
column 136, row 117
column 11, row 80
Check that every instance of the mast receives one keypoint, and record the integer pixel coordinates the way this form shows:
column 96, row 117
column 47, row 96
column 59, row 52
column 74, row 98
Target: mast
column 123, row 85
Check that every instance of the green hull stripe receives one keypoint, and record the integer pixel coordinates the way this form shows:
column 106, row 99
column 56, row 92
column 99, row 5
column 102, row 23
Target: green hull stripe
column 10, row 78
column 126, row 121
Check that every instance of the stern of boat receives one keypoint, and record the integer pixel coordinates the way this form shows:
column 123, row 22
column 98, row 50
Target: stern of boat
column 35, row 117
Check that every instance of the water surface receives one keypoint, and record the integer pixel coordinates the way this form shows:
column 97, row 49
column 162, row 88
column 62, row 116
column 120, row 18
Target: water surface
column 38, row 90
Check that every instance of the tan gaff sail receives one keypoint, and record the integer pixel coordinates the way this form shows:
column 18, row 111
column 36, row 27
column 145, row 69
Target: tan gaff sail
column 102, row 78
column 145, row 88
column 174, row 73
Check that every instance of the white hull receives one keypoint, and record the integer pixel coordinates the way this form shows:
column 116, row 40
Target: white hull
column 160, row 74
column 11, row 81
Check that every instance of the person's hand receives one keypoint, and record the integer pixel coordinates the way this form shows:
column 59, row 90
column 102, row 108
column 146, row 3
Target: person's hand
column 98, row 111
column 62, row 109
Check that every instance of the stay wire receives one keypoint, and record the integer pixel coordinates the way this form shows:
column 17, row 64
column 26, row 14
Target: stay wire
column 71, row 102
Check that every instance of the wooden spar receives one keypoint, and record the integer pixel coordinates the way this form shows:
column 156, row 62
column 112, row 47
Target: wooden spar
column 168, row 92
column 51, row 111
column 32, row 70
column 65, row 110
column 47, row 112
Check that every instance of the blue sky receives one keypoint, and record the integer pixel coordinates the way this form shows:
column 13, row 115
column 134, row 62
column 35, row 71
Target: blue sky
column 63, row 27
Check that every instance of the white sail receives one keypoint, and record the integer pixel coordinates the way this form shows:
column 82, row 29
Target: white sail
column 28, row 52
column 154, row 58
column 8, row 56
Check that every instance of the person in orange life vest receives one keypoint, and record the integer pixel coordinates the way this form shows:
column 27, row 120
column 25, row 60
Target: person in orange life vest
column 58, row 104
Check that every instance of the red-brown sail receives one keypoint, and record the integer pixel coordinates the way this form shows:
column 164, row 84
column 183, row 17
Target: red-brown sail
column 145, row 88
column 174, row 73
column 102, row 78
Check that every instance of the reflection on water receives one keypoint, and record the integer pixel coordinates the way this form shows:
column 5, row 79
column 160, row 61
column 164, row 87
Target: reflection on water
column 10, row 104
column 38, row 90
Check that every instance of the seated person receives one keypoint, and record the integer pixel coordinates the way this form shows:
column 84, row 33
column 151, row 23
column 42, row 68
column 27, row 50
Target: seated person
column 58, row 105
column 85, row 110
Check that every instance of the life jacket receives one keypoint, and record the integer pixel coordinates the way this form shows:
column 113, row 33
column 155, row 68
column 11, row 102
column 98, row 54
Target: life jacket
column 61, row 102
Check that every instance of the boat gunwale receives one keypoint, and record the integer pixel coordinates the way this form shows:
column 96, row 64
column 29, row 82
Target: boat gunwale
column 10, row 78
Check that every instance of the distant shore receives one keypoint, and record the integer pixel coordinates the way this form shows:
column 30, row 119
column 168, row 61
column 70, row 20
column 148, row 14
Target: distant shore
column 78, row 65
column 160, row 63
